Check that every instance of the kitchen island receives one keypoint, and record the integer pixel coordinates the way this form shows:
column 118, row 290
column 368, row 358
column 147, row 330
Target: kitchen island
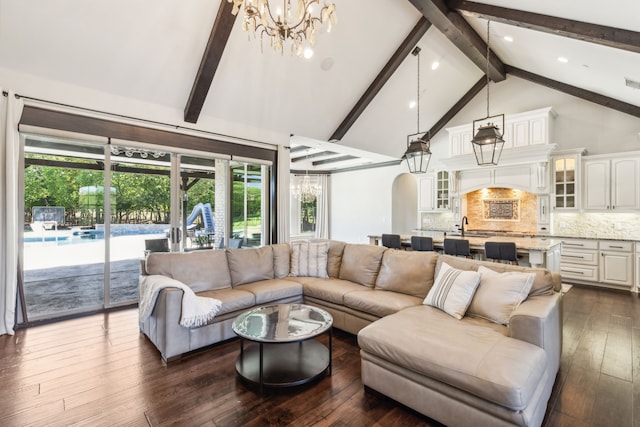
column 536, row 251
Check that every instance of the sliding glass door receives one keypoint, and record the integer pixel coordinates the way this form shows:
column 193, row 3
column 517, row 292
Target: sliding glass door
column 85, row 231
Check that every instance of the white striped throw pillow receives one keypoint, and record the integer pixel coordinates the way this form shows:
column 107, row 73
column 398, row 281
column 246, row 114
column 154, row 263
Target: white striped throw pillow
column 309, row 259
column 453, row 290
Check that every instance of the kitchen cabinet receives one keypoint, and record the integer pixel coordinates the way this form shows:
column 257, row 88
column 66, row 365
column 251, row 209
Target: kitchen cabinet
column 544, row 218
column 579, row 260
column 608, row 263
column 566, row 182
column 521, row 130
column 616, row 263
column 433, row 192
column 612, row 184
column 425, row 193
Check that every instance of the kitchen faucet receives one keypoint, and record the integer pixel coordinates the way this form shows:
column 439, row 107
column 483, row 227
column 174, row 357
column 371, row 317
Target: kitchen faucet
column 464, row 221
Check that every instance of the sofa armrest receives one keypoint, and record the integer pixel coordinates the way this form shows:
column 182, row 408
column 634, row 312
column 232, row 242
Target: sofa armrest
column 163, row 326
column 538, row 320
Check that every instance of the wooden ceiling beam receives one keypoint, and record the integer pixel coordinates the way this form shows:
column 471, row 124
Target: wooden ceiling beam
column 387, row 71
column 587, row 95
column 462, row 35
column 592, row 33
column 210, row 60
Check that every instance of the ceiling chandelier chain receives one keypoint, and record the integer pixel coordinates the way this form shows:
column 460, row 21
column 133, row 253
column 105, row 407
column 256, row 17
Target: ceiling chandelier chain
column 418, row 152
column 487, row 139
column 294, row 22
column 487, row 73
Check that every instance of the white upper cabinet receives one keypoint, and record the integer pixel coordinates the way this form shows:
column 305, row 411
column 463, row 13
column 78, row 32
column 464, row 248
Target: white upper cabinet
column 433, row 192
column 611, row 184
column 426, row 196
column 566, row 184
column 521, row 130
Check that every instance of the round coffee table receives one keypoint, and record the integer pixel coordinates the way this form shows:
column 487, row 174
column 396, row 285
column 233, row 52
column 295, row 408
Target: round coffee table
column 286, row 353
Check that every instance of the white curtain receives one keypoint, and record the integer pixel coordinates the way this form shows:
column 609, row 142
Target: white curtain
column 10, row 112
column 322, row 208
column 284, row 163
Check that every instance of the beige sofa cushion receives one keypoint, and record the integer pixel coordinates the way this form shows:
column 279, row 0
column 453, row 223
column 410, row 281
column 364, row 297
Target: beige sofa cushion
column 334, row 258
column 476, row 359
column 499, row 294
column 250, row 265
column 281, row 258
column 272, row 290
column 542, row 284
column 332, row 290
column 407, row 272
column 379, row 303
column 361, row 263
column 200, row 270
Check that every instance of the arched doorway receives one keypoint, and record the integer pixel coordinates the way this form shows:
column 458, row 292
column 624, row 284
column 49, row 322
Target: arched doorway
column 404, row 203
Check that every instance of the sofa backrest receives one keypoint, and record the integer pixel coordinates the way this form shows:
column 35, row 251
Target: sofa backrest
column 545, row 282
column 200, row 270
column 361, row 263
column 334, row 258
column 281, row 260
column 250, row 264
column 407, row 272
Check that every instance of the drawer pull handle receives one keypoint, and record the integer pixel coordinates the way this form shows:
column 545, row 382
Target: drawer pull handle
column 573, row 272
column 616, row 247
column 572, row 244
column 573, row 256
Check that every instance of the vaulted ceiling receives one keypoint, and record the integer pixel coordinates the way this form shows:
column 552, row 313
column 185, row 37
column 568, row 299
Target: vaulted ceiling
column 194, row 58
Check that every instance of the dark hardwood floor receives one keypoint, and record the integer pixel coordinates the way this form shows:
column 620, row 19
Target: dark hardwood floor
column 100, row 371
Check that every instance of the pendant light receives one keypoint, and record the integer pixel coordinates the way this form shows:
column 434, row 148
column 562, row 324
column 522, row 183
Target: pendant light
column 418, row 153
column 487, row 140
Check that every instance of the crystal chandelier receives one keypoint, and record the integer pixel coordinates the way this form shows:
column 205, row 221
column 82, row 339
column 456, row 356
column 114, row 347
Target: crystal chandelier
column 290, row 20
column 305, row 189
column 487, row 141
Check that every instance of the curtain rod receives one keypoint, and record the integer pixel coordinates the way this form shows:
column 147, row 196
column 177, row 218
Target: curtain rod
column 122, row 116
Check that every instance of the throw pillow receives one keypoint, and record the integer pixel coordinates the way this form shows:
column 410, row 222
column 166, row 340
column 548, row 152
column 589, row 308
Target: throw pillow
column 309, row 259
column 453, row 290
column 499, row 294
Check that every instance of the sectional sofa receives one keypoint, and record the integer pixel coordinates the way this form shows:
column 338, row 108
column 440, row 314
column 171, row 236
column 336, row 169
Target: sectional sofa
column 464, row 342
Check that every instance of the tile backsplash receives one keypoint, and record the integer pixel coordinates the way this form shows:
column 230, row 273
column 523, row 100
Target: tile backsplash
column 597, row 225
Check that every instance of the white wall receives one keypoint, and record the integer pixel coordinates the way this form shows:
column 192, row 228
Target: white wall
column 362, row 201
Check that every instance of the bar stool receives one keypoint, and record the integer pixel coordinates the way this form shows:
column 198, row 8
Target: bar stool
column 421, row 243
column 391, row 241
column 457, row 247
column 501, row 251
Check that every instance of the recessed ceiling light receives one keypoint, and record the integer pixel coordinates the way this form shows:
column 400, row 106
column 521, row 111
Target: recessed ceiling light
column 435, row 65
column 308, row 53
column 563, row 59
column 508, row 39
column 413, row 104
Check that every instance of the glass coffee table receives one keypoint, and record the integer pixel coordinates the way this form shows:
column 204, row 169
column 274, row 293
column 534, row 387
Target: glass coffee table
column 283, row 352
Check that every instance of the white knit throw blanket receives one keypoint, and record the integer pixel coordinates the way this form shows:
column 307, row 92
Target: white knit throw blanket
column 196, row 310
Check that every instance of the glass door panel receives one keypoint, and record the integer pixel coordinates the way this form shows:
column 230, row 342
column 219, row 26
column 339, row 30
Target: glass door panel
column 201, row 219
column 63, row 246
column 140, row 215
column 249, row 203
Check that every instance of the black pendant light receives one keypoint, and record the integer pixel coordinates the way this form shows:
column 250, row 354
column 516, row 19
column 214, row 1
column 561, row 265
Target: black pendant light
column 487, row 140
column 418, row 153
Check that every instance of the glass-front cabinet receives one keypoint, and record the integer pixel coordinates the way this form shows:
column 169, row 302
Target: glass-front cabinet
column 566, row 186
column 442, row 190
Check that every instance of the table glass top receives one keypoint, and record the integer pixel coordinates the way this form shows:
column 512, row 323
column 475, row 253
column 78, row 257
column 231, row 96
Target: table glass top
column 282, row 323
